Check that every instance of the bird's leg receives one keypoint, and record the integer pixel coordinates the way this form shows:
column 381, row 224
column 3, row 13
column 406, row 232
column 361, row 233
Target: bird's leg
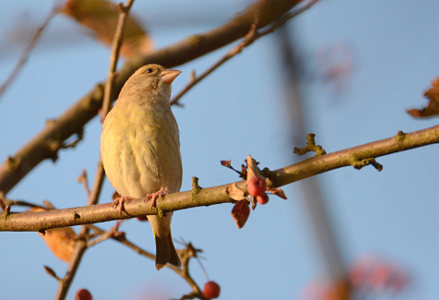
column 153, row 196
column 120, row 201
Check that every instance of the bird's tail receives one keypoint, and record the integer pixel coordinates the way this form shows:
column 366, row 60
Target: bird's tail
column 165, row 252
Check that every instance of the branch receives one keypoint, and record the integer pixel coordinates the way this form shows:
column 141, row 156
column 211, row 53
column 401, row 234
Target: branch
column 185, row 254
column 30, row 46
column 73, row 119
column 93, row 196
column 39, row 221
column 251, row 36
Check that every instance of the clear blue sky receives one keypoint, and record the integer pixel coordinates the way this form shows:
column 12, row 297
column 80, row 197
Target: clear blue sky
column 235, row 112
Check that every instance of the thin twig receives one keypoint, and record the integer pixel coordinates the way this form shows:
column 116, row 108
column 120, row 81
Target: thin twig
column 33, row 41
column 6, row 203
column 81, row 244
column 84, row 180
column 188, row 253
column 251, row 36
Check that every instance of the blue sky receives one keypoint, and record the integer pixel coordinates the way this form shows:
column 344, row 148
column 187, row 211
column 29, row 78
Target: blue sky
column 237, row 111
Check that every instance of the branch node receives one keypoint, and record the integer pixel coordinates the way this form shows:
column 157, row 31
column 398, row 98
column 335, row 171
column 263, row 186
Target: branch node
column 400, row 136
column 14, row 163
column 310, row 146
column 53, row 146
column 358, row 164
column 195, row 186
column 72, row 144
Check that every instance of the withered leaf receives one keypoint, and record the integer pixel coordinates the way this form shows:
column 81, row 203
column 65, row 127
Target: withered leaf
column 240, row 213
column 226, row 163
column 432, row 109
column 278, row 192
column 61, row 241
column 100, row 16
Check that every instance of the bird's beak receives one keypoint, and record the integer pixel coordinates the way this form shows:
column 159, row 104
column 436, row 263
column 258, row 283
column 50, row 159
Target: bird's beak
column 168, row 76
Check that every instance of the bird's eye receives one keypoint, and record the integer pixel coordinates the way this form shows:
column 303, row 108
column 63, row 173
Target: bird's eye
column 149, row 70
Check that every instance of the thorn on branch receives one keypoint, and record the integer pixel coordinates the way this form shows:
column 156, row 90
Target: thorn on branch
column 195, row 186
column 358, row 164
column 83, row 179
column 400, row 136
column 14, row 163
column 310, row 146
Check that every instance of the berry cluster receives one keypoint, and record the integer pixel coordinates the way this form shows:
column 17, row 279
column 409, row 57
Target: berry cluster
column 256, row 187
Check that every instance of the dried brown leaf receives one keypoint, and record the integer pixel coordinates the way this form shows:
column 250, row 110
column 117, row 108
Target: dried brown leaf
column 432, row 109
column 252, row 168
column 240, row 213
column 278, row 192
column 243, row 173
column 226, row 163
column 61, row 241
column 100, row 16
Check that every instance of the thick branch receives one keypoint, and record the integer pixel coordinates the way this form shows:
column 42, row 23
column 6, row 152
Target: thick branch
column 37, row 221
column 48, row 141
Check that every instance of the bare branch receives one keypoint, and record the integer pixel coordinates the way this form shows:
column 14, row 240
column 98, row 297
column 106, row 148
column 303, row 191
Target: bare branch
column 36, row 221
column 33, row 41
column 251, row 36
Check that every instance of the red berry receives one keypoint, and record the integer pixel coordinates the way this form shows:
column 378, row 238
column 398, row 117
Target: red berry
column 142, row 218
column 262, row 199
column 83, row 294
column 256, row 186
column 211, row 290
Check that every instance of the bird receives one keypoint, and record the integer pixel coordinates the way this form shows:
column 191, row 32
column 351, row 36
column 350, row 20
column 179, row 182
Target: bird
column 140, row 149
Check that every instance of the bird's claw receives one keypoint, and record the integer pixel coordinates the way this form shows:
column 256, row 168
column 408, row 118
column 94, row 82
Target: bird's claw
column 154, row 196
column 121, row 201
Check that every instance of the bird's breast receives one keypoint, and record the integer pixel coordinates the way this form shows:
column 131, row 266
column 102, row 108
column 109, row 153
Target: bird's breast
column 140, row 150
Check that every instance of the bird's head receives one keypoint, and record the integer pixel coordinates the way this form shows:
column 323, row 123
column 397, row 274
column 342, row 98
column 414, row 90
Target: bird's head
column 150, row 80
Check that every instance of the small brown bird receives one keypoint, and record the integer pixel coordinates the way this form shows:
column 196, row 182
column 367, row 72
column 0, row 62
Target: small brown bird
column 140, row 148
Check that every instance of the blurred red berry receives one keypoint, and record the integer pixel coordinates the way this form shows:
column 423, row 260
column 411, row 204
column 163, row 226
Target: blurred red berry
column 379, row 275
column 142, row 218
column 262, row 199
column 398, row 281
column 256, row 186
column 211, row 290
column 83, row 294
